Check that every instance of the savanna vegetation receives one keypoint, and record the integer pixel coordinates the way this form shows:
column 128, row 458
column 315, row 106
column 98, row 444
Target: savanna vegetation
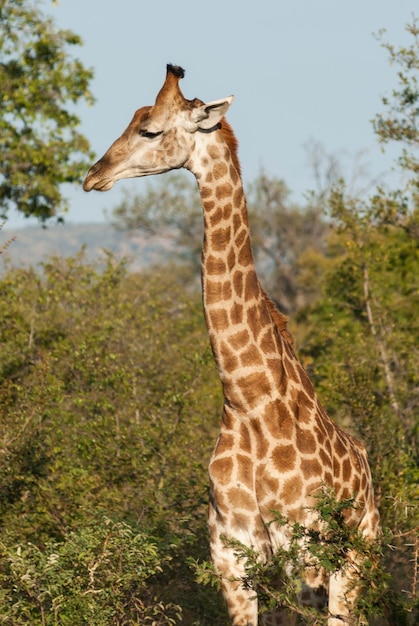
column 110, row 403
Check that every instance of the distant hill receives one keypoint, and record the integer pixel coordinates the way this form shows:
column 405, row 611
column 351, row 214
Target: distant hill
column 34, row 244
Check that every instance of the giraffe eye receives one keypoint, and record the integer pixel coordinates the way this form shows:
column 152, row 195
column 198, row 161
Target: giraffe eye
column 149, row 135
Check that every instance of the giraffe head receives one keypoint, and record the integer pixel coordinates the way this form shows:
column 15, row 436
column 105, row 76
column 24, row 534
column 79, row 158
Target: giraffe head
column 159, row 138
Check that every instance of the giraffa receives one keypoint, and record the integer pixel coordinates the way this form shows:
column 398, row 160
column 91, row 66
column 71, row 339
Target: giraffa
column 277, row 446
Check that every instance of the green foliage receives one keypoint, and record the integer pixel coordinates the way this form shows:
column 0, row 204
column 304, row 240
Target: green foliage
column 332, row 546
column 96, row 576
column 362, row 336
column 399, row 122
column 110, row 407
column 41, row 84
column 286, row 238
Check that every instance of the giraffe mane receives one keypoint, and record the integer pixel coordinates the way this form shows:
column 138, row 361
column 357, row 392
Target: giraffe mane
column 231, row 141
column 280, row 320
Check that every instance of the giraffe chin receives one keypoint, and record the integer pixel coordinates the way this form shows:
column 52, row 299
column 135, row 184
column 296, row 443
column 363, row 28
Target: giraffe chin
column 101, row 185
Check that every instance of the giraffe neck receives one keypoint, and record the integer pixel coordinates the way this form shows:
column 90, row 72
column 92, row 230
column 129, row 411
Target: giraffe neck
column 241, row 329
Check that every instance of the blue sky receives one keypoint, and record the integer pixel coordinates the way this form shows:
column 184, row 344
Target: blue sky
column 300, row 71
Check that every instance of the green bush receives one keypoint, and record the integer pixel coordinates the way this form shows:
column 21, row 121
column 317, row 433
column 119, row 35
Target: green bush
column 110, row 407
column 96, row 576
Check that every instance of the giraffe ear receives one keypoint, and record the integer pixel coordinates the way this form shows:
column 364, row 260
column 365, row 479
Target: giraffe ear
column 210, row 114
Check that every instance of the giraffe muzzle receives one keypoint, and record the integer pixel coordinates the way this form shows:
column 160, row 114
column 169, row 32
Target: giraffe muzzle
column 95, row 181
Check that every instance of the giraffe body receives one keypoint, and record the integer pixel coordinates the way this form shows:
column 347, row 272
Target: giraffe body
column 277, row 446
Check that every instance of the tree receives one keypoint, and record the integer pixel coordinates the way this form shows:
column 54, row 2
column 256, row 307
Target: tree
column 40, row 146
column 285, row 236
column 170, row 206
column 362, row 337
column 399, row 122
column 110, row 407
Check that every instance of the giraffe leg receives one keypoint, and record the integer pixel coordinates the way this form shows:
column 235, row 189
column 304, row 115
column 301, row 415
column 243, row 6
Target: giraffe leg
column 313, row 594
column 240, row 599
column 239, row 596
column 342, row 598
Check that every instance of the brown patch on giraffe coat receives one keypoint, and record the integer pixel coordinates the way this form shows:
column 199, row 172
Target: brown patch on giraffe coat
column 284, row 457
column 238, row 196
column 245, row 254
column 278, row 420
column 245, row 471
column 346, row 470
column 251, row 290
column 336, row 470
column 262, row 447
column 306, row 442
column 223, row 191
column 238, row 283
column 208, row 205
column 220, row 238
column 237, row 222
column 252, row 318
column 266, row 485
column 357, row 464
column 253, row 387
column 236, row 313
column 345, row 493
column 233, row 175
column 240, row 521
column 225, row 443
column 227, row 209
column 227, row 292
column 231, row 259
column 355, row 484
column 219, row 170
column 325, row 458
column 219, row 319
column 305, row 381
column 301, row 406
column 245, row 443
column 276, row 367
column 229, row 420
column 240, row 498
column 339, row 448
column 291, row 490
column 215, row 266
column 289, row 368
column 228, row 357
column 216, row 217
column 296, row 515
column 266, row 341
column 310, row 468
column 213, row 151
column 221, row 470
column 209, row 177
column 212, row 288
column 206, row 192
column 251, row 356
column 239, row 340
column 328, row 478
column 261, row 442
column 320, row 430
column 240, row 237
column 216, row 290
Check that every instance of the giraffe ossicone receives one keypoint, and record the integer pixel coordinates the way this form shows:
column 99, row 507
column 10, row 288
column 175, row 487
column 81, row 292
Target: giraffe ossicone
column 277, row 446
